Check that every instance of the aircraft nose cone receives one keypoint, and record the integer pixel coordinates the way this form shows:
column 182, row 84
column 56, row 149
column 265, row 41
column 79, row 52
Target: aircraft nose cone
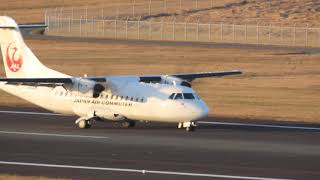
column 203, row 111
column 200, row 111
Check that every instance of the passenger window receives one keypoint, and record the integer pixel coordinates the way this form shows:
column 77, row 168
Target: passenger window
column 121, row 98
column 188, row 96
column 106, row 96
column 171, row 96
column 142, row 100
column 127, row 98
column 111, row 96
column 178, row 96
column 131, row 99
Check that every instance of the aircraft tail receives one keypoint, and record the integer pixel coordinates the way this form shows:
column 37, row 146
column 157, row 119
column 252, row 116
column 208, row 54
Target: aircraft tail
column 18, row 59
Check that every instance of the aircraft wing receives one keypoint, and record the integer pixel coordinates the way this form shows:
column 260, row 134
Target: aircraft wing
column 193, row 76
column 80, row 84
column 155, row 78
column 36, row 81
column 50, row 82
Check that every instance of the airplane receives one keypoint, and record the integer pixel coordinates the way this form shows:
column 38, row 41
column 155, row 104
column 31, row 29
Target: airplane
column 121, row 99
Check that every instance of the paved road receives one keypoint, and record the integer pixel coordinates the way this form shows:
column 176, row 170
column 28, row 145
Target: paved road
column 212, row 152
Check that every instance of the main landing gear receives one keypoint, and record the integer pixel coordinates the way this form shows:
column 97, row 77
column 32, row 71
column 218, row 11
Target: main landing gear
column 190, row 126
column 84, row 123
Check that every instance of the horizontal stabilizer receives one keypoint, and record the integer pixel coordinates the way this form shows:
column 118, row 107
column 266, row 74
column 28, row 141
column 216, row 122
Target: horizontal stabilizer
column 32, row 26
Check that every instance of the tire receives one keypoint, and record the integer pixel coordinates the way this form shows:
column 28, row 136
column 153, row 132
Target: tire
column 125, row 124
column 84, row 124
column 128, row 124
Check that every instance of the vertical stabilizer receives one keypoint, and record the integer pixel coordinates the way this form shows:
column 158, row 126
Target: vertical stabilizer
column 18, row 59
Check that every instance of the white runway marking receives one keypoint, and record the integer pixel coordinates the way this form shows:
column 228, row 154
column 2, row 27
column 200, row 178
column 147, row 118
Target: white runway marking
column 137, row 171
column 54, row 135
column 32, row 113
column 260, row 125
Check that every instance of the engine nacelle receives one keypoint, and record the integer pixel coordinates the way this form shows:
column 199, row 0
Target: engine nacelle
column 86, row 87
column 174, row 81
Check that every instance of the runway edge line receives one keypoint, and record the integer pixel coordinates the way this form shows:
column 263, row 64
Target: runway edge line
column 137, row 171
column 260, row 125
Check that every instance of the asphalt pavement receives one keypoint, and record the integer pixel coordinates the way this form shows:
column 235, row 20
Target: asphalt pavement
column 51, row 145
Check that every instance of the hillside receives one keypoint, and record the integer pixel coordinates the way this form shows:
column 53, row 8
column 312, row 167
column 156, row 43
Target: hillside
column 287, row 12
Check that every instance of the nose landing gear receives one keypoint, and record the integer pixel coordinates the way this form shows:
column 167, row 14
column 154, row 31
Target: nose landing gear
column 190, row 126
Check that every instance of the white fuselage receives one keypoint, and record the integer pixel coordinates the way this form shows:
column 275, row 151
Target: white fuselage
column 131, row 100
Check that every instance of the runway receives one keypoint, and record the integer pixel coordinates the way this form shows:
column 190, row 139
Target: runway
column 51, row 145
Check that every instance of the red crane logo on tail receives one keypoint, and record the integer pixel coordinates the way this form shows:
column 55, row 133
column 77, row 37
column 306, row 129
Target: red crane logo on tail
column 14, row 57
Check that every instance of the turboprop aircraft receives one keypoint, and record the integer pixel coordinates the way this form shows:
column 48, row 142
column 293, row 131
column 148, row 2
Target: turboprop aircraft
column 124, row 99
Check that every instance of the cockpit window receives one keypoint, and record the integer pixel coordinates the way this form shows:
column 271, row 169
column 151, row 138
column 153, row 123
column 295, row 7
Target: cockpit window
column 172, row 96
column 197, row 96
column 188, row 96
column 178, row 96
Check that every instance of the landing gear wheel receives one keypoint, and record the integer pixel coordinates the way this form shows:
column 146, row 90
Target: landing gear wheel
column 128, row 124
column 125, row 124
column 84, row 124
